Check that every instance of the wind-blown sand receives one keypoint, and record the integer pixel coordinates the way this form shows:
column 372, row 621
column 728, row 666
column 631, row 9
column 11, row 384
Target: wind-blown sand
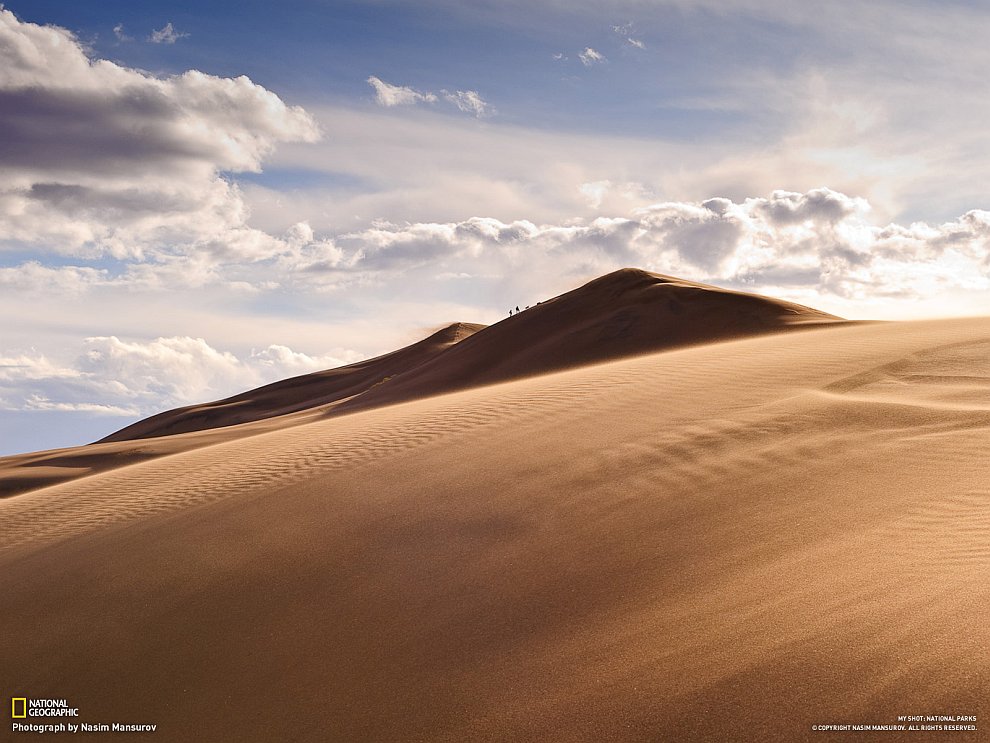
column 728, row 542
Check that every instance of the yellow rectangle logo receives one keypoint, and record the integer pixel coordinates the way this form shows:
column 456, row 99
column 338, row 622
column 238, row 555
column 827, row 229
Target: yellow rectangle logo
column 14, row 705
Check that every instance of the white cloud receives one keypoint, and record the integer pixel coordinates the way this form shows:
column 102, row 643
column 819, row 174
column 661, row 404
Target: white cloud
column 820, row 242
column 65, row 280
column 127, row 378
column 167, row 34
column 397, row 95
column 278, row 362
column 100, row 159
column 595, row 192
column 118, row 31
column 624, row 31
column 33, row 366
column 468, row 101
column 38, row 402
column 591, row 57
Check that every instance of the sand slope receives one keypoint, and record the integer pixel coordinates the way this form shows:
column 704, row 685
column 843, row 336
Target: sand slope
column 298, row 393
column 726, row 542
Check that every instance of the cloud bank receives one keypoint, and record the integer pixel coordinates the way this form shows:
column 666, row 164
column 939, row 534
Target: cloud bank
column 101, row 159
column 113, row 377
column 821, row 242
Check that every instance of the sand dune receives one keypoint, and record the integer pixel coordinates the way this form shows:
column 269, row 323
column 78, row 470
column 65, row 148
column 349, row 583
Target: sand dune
column 732, row 541
column 624, row 313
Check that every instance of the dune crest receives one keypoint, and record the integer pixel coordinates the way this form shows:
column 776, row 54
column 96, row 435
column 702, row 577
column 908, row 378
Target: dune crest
column 624, row 313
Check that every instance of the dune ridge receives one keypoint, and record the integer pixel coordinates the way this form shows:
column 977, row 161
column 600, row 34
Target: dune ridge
column 621, row 314
column 624, row 313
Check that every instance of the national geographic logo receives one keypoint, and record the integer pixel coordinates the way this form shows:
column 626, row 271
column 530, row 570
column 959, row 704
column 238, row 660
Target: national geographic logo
column 22, row 708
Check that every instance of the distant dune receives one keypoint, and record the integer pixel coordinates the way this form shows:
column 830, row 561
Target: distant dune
column 735, row 539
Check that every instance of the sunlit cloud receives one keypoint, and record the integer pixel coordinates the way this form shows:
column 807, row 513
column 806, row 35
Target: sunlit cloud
column 468, row 101
column 397, row 95
column 591, row 57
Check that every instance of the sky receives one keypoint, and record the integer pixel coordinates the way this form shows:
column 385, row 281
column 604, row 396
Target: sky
column 200, row 197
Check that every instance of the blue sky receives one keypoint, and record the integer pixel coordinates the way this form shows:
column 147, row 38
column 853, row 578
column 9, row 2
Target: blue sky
column 202, row 197
column 323, row 52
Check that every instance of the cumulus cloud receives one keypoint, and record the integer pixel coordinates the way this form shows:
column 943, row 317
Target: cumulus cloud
column 103, row 159
column 397, row 95
column 821, row 241
column 591, row 57
column 167, row 34
column 112, row 376
column 468, row 101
